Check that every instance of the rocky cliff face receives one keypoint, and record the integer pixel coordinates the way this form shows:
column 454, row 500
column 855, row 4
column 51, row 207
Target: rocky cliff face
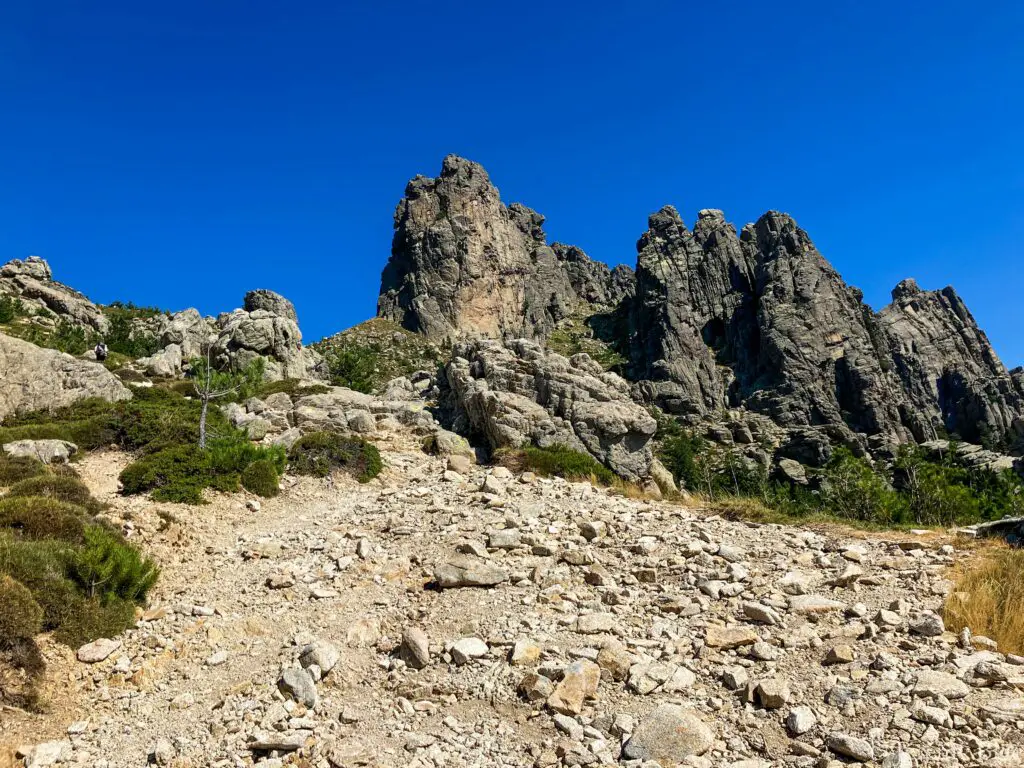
column 948, row 369
column 464, row 263
column 717, row 320
column 31, row 281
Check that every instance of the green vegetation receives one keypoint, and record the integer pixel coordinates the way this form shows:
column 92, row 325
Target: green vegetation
column 291, row 387
column 262, row 478
column 64, row 488
column 913, row 491
column 318, row 453
column 124, row 337
column 11, row 308
column 578, row 334
column 20, row 614
column 556, row 461
column 180, row 472
column 367, row 356
column 37, row 517
column 84, row 578
column 14, row 469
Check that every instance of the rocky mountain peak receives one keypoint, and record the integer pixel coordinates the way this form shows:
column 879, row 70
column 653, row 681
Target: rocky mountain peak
column 34, row 267
column 463, row 263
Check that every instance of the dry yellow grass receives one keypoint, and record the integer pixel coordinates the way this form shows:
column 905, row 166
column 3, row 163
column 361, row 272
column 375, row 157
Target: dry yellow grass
column 988, row 594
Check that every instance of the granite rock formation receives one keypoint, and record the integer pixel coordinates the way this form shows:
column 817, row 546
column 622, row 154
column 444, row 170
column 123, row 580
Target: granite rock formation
column 509, row 394
column 266, row 326
column 31, row 281
column 715, row 323
column 464, row 263
column 42, row 379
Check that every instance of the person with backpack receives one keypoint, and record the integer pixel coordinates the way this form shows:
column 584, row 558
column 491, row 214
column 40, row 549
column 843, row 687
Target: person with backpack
column 101, row 352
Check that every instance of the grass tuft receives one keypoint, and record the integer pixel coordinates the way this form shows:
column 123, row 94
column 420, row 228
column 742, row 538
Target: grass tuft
column 987, row 597
column 318, row 453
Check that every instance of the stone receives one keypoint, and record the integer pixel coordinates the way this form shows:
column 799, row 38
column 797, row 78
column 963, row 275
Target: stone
column 535, row 688
column 727, row 638
column 772, row 694
column 467, row 649
column 46, row 451
column 98, row 650
column 595, row 623
column 364, row 632
column 578, row 683
column 839, row 654
column 850, row 746
column 296, row 684
column 38, row 379
column 415, row 649
column 524, row 653
column 321, row 654
column 614, row 659
column 930, row 683
column 468, row 573
column 928, row 624
column 813, row 604
column 800, row 720
column 761, row 613
column 669, row 735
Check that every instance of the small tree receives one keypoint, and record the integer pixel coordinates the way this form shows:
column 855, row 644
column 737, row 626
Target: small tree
column 210, row 384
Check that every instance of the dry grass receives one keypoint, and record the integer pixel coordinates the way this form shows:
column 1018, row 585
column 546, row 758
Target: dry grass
column 988, row 594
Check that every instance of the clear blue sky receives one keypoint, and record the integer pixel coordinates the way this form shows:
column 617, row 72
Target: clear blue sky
column 180, row 153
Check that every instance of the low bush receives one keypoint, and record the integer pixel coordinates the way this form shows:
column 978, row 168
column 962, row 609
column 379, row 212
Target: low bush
column 559, row 461
column 318, row 453
column 352, row 367
column 39, row 517
column 11, row 307
column 21, row 617
column 14, row 469
column 181, row 472
column 261, row 478
column 987, row 595
column 291, row 387
column 60, row 487
column 60, row 574
column 107, row 567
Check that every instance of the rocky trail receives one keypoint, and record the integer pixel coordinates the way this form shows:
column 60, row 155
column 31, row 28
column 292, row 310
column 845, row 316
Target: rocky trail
column 344, row 625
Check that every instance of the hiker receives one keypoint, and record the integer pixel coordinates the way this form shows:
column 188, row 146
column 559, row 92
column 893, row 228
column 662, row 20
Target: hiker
column 101, row 352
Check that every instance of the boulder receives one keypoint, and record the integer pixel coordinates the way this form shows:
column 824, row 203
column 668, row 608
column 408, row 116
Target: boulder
column 517, row 392
column 47, row 451
column 35, row 378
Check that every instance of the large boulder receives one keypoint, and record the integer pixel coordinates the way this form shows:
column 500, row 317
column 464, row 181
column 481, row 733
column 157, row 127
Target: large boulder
column 517, row 392
column 35, row 378
column 268, row 330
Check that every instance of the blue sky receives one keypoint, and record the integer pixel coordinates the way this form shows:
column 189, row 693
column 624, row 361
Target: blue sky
column 181, row 153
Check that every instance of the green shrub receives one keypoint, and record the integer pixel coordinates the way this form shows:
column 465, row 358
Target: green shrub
column 10, row 308
column 106, row 566
column 43, row 567
column 86, row 619
column 21, row 617
column 122, row 338
column 292, row 388
column 681, row 453
column 14, row 469
column 59, row 487
column 38, row 517
column 179, row 473
column 261, row 478
column 319, row 452
column 352, row 367
column 560, row 461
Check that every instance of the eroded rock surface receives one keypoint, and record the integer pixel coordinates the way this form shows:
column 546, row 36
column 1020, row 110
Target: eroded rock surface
column 41, row 379
column 516, row 393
